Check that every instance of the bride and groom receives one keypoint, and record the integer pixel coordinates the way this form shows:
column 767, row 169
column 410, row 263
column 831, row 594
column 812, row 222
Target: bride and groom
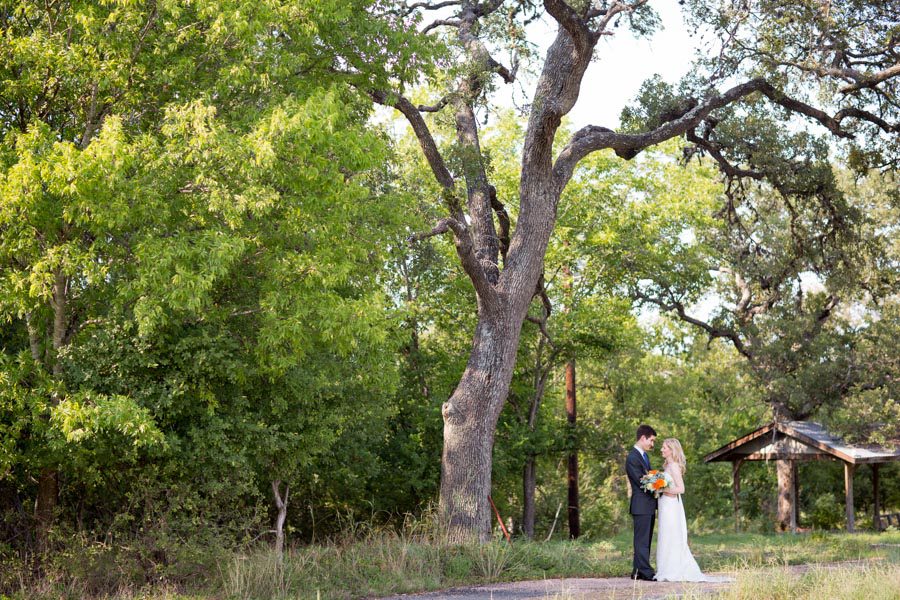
column 674, row 561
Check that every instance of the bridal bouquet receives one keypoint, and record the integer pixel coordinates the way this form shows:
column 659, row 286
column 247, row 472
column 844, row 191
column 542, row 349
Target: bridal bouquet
column 655, row 482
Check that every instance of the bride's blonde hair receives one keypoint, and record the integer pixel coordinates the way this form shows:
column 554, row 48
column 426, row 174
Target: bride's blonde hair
column 677, row 453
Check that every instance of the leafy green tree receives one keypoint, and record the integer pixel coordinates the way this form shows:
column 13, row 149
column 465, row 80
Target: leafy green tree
column 153, row 156
column 782, row 262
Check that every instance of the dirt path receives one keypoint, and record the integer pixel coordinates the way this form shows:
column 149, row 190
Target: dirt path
column 569, row 589
column 609, row 588
column 614, row 588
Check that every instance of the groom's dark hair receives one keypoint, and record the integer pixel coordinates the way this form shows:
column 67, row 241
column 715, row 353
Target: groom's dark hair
column 645, row 431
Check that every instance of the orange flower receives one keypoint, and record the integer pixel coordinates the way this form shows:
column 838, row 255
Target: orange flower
column 659, row 484
column 653, row 472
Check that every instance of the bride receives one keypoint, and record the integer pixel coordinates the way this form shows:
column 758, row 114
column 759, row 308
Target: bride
column 674, row 561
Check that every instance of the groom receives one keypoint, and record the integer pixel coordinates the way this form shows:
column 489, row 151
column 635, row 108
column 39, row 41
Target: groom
column 643, row 504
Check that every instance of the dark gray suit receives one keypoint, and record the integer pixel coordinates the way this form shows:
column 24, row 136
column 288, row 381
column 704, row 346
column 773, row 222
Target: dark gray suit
column 643, row 513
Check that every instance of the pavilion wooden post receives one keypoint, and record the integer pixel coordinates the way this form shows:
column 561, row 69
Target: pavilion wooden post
column 795, row 500
column 736, row 490
column 849, row 468
column 876, row 509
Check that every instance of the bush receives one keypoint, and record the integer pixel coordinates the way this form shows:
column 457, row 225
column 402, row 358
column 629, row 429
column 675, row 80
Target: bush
column 826, row 513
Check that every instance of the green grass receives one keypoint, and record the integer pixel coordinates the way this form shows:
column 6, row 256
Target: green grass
column 872, row 582
column 748, row 551
column 388, row 563
column 383, row 563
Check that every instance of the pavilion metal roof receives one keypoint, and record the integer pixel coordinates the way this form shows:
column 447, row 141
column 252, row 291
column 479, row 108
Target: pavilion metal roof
column 799, row 440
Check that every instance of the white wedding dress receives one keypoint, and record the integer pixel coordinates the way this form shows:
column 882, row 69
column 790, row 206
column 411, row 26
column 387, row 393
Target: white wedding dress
column 674, row 561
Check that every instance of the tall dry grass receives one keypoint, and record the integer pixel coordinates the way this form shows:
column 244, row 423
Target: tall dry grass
column 370, row 561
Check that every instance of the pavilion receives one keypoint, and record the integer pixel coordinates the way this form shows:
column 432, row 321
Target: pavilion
column 794, row 441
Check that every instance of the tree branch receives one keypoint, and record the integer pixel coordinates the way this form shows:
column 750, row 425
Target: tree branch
column 726, row 167
column 541, row 292
column 711, row 330
column 864, row 80
column 435, row 107
column 569, row 20
column 858, row 78
column 74, row 328
column 465, row 248
column 745, row 309
column 546, row 308
column 508, row 75
column 865, row 115
column 592, row 138
column 542, row 325
column 503, row 221
column 441, row 23
column 478, row 188
column 608, row 15
column 431, row 5
column 423, row 134
column 34, row 338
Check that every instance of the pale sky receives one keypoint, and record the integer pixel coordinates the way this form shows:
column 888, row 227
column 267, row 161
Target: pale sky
column 621, row 64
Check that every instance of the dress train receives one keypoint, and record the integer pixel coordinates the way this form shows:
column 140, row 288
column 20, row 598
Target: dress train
column 674, row 561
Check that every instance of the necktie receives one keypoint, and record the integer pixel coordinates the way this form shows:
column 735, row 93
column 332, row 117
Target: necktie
column 646, row 460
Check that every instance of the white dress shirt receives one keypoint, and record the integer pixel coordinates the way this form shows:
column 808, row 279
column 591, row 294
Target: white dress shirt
column 643, row 454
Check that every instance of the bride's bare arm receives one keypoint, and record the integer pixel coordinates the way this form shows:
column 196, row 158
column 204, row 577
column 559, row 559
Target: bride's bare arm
column 678, row 485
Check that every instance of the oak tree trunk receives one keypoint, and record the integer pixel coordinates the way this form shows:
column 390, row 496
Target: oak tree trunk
column 470, row 415
column 470, row 418
column 45, row 505
column 529, row 483
column 785, row 507
column 281, row 504
column 574, row 517
column 48, row 482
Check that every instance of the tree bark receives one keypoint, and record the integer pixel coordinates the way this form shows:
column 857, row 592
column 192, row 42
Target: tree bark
column 529, row 483
column 736, row 491
column 48, row 482
column 281, row 504
column 876, row 507
column 60, row 318
column 470, row 419
column 574, row 520
column 45, row 505
column 34, row 337
column 785, row 506
column 795, row 513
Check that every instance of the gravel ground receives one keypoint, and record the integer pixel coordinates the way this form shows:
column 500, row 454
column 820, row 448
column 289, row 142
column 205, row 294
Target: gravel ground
column 613, row 588
column 609, row 588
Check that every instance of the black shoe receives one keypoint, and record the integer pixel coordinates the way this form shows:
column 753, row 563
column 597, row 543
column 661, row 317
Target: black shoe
column 642, row 577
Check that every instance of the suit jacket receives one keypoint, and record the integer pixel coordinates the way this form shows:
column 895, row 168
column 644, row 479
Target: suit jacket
column 642, row 503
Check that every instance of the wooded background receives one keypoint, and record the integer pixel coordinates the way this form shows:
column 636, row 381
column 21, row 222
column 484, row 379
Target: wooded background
column 226, row 294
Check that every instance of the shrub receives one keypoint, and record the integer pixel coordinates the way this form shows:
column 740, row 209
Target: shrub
column 826, row 513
